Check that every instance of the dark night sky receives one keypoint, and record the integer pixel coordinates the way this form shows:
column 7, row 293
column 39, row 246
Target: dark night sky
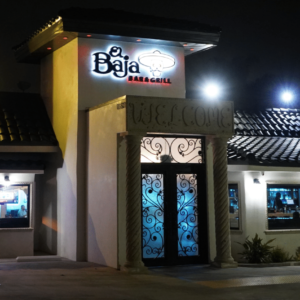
column 258, row 51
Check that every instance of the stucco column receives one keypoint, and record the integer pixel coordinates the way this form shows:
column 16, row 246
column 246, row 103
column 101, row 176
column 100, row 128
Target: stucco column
column 221, row 201
column 133, row 205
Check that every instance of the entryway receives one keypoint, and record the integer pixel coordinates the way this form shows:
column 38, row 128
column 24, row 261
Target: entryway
column 174, row 214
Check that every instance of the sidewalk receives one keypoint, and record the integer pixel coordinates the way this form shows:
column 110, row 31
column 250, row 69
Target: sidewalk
column 76, row 280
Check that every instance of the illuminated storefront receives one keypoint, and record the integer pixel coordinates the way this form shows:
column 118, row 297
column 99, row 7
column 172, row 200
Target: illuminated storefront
column 263, row 166
column 131, row 144
column 26, row 141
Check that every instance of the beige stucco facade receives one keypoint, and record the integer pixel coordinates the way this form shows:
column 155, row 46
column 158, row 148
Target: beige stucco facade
column 108, row 125
column 85, row 210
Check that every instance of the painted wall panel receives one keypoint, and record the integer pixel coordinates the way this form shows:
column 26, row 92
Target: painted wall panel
column 59, row 89
column 102, row 210
column 16, row 242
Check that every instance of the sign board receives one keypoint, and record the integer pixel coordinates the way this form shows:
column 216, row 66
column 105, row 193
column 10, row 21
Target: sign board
column 6, row 197
column 171, row 115
column 109, row 69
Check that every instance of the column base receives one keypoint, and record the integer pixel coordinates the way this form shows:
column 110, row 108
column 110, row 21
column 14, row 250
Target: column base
column 135, row 268
column 225, row 265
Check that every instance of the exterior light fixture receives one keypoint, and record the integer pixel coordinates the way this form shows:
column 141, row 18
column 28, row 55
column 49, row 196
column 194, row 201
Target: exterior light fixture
column 185, row 45
column 65, row 37
column 7, row 182
column 88, row 35
column 192, row 49
column 256, row 181
column 138, row 40
column 287, row 96
column 49, row 48
column 212, row 90
column 156, row 61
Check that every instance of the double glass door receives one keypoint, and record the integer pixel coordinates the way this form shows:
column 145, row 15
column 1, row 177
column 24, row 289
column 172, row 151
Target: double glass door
column 174, row 214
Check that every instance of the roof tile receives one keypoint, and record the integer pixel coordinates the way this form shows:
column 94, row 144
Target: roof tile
column 268, row 137
column 24, row 120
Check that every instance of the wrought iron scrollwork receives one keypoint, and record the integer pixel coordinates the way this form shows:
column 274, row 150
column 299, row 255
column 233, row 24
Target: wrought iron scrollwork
column 153, row 215
column 171, row 150
column 187, row 215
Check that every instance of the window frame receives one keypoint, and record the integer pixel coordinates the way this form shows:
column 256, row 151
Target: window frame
column 282, row 184
column 20, row 223
column 239, row 229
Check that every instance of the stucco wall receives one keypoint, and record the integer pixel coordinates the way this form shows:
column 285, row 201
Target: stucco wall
column 16, row 242
column 102, row 208
column 254, row 210
column 59, row 89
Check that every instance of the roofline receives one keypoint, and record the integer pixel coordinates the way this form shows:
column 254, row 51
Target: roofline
column 29, row 149
column 51, row 35
column 254, row 168
column 22, row 171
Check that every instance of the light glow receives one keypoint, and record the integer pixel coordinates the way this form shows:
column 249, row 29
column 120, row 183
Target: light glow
column 212, row 90
column 287, row 96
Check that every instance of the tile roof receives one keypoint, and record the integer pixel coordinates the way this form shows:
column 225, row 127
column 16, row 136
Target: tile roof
column 269, row 137
column 24, row 121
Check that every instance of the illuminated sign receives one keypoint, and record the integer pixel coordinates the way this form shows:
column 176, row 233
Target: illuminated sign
column 120, row 66
column 157, row 61
column 6, row 197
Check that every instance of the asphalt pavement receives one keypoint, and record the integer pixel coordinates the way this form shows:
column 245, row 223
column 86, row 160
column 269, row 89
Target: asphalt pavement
column 81, row 280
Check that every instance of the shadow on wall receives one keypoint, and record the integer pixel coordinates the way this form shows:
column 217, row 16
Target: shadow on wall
column 94, row 253
column 46, row 206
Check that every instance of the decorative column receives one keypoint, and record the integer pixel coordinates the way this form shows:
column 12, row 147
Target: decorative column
column 134, row 262
column 221, row 201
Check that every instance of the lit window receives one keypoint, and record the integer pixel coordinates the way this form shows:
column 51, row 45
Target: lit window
column 283, row 204
column 234, row 211
column 14, row 206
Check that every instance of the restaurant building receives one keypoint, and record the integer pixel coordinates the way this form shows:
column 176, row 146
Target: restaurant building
column 115, row 142
column 264, row 177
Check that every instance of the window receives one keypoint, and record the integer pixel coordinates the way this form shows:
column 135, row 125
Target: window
column 283, row 203
column 14, row 206
column 234, row 217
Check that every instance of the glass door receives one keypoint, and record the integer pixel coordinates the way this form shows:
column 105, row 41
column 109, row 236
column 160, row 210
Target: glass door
column 174, row 215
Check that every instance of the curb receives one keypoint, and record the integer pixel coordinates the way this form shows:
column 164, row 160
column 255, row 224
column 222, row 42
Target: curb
column 270, row 265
